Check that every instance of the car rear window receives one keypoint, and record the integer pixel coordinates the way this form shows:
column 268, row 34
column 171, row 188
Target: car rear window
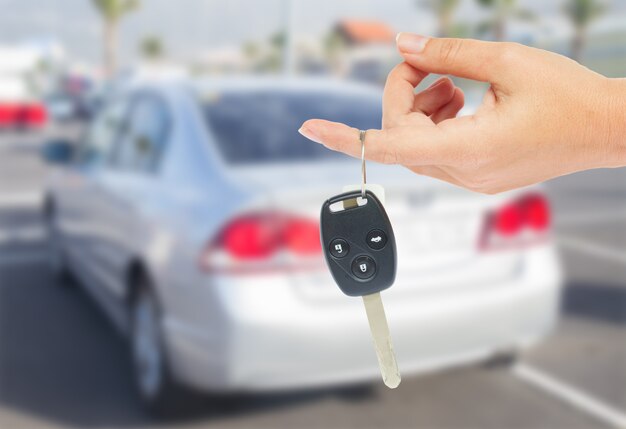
column 261, row 127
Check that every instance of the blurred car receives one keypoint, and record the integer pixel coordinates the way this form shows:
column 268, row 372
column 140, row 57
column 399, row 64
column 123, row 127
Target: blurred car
column 64, row 107
column 60, row 107
column 19, row 110
column 190, row 212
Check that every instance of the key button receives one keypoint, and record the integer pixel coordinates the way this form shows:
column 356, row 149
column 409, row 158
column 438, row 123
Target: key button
column 363, row 267
column 339, row 248
column 376, row 239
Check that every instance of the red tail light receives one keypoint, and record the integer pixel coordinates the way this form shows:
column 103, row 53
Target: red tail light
column 251, row 237
column 263, row 241
column 521, row 222
column 8, row 114
column 22, row 115
column 34, row 115
column 508, row 220
column 302, row 237
column 537, row 212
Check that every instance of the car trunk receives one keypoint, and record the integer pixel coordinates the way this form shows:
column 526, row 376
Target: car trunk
column 437, row 226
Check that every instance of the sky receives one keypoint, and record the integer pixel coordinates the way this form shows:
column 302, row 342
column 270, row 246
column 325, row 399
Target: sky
column 188, row 27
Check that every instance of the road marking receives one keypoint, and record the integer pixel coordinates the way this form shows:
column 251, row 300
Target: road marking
column 22, row 235
column 20, row 199
column 589, row 217
column 592, row 249
column 571, row 395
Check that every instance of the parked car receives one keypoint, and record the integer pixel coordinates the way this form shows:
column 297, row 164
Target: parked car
column 190, row 212
column 18, row 109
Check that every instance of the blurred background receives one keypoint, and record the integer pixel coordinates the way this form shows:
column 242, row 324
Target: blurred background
column 135, row 263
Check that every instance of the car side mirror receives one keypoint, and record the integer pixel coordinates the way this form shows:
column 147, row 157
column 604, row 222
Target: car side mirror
column 58, row 152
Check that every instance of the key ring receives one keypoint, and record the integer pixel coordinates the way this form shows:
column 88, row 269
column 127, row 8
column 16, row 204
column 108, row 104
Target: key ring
column 363, row 175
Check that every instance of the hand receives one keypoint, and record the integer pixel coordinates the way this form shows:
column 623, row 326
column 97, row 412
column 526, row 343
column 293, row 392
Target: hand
column 543, row 116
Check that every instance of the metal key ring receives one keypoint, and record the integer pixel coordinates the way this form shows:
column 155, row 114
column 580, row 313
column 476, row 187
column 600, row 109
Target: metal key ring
column 363, row 175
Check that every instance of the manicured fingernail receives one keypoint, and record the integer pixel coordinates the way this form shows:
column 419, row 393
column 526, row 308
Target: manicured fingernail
column 438, row 82
column 411, row 43
column 306, row 132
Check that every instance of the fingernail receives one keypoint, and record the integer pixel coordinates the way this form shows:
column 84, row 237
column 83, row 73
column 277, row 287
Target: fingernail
column 438, row 82
column 306, row 132
column 411, row 43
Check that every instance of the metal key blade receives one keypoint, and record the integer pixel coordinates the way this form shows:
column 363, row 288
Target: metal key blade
column 382, row 340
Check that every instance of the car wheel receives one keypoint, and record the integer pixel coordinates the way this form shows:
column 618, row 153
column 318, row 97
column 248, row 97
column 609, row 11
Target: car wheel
column 56, row 258
column 503, row 360
column 154, row 383
column 358, row 392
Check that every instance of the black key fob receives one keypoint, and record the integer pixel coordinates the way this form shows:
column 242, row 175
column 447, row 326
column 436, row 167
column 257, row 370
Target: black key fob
column 358, row 243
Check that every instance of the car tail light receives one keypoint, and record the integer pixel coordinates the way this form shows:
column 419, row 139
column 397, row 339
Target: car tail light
column 263, row 241
column 521, row 222
column 8, row 114
column 34, row 115
column 23, row 115
column 302, row 237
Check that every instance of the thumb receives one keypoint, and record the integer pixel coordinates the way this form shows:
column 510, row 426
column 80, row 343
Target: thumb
column 467, row 58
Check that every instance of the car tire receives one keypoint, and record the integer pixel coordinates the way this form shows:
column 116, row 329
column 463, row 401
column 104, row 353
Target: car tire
column 55, row 258
column 158, row 391
column 503, row 360
column 358, row 392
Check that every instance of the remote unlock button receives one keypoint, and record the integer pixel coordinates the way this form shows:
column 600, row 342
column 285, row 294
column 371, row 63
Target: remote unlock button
column 339, row 248
column 363, row 267
column 376, row 239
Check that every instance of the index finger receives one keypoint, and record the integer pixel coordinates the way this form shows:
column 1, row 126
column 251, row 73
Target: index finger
column 399, row 92
column 422, row 144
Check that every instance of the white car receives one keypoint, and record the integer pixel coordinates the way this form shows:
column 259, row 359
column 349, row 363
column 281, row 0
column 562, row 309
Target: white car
column 191, row 213
column 19, row 108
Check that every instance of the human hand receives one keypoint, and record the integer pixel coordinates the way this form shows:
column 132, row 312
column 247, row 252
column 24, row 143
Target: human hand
column 543, row 116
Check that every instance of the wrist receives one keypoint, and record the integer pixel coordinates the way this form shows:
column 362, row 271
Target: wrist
column 616, row 122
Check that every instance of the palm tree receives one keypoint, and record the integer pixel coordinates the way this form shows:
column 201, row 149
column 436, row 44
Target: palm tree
column 112, row 11
column 503, row 11
column 152, row 48
column 334, row 45
column 444, row 9
column 275, row 58
column 581, row 13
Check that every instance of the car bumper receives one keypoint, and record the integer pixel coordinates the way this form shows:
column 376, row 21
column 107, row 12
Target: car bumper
column 267, row 343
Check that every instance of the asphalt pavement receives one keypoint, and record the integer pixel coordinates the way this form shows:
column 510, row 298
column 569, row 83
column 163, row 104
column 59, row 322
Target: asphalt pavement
column 63, row 365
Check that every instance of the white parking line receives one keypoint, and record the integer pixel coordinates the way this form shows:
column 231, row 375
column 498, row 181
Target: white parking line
column 20, row 199
column 571, row 395
column 593, row 249
column 26, row 234
column 582, row 218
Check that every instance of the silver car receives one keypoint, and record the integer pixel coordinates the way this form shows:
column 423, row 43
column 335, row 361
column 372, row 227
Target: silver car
column 190, row 212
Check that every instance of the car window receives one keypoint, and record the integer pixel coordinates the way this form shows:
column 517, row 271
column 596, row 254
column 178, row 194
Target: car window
column 102, row 133
column 258, row 127
column 142, row 140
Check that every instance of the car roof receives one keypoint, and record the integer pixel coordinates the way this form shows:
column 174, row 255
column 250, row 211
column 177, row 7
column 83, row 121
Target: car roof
column 283, row 84
column 210, row 85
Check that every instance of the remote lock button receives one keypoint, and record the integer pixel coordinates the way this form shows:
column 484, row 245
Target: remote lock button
column 339, row 248
column 376, row 239
column 363, row 267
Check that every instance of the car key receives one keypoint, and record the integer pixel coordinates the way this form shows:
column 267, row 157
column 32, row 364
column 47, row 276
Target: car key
column 360, row 250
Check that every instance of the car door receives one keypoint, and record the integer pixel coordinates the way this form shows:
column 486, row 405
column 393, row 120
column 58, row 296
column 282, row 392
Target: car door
column 126, row 189
column 77, row 200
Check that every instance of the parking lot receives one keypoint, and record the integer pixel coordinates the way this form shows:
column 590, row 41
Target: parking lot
column 63, row 365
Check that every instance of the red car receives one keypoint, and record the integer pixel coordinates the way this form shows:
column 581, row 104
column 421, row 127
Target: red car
column 17, row 114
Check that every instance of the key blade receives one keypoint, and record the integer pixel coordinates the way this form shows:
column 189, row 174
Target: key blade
column 382, row 339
